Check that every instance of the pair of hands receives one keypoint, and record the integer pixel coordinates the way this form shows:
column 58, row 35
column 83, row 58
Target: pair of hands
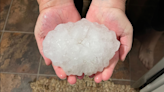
column 54, row 12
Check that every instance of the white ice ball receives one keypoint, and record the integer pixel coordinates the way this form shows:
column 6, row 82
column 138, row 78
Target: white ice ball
column 81, row 47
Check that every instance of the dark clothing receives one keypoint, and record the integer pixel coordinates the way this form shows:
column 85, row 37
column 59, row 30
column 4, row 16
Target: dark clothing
column 157, row 22
column 79, row 5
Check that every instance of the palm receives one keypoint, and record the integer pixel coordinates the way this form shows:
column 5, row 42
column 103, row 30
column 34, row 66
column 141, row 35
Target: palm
column 48, row 19
column 116, row 20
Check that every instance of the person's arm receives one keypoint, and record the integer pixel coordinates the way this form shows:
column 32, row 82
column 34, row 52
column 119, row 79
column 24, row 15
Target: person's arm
column 43, row 4
column 119, row 4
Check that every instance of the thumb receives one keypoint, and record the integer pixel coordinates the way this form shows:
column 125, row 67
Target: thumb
column 39, row 41
column 126, row 43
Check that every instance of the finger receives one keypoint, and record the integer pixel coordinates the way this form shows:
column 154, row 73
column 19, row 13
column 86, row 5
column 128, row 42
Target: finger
column 59, row 72
column 71, row 79
column 98, row 77
column 108, row 71
column 80, row 77
column 39, row 42
column 47, row 61
column 126, row 43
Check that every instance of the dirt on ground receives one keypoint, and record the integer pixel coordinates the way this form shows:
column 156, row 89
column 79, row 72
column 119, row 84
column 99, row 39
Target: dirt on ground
column 84, row 85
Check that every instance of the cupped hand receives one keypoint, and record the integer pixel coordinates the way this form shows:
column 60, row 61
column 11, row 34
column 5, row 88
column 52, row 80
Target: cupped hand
column 114, row 19
column 53, row 13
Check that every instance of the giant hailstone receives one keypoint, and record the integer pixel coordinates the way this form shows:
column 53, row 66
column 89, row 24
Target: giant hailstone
column 81, row 47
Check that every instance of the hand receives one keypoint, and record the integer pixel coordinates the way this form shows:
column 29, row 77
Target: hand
column 52, row 13
column 112, row 15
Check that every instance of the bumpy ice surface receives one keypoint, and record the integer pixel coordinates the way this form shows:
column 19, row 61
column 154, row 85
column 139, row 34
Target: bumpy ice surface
column 81, row 47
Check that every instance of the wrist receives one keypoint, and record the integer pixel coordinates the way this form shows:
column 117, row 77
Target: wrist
column 119, row 4
column 43, row 4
